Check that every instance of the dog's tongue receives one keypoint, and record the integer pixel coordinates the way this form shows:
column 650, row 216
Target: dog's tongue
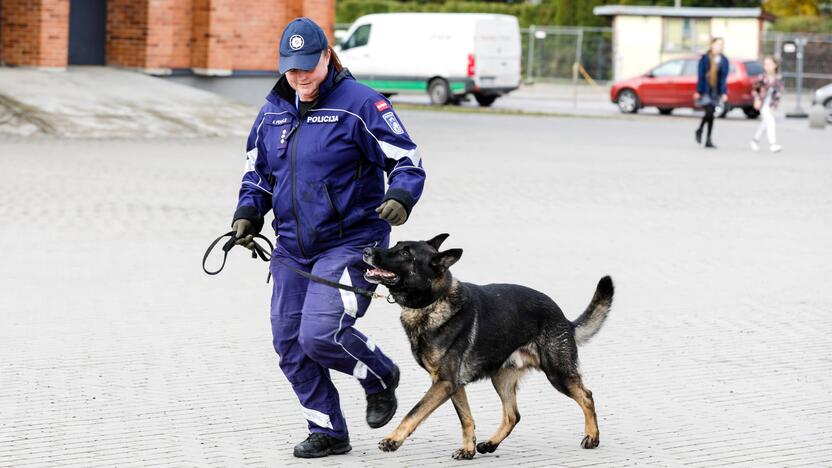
column 380, row 272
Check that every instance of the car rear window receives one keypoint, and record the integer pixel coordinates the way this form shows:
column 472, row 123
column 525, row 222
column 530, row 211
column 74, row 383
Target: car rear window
column 691, row 68
column 753, row 68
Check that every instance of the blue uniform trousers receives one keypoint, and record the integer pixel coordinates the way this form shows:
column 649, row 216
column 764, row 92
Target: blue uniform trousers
column 313, row 331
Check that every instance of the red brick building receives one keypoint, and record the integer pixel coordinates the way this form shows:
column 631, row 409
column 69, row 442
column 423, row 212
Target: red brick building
column 207, row 36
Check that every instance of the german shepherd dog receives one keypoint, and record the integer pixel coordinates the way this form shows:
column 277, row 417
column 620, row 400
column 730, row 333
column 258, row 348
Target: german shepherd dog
column 461, row 332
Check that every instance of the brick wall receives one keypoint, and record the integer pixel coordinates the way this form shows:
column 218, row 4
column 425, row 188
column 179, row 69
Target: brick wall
column 243, row 34
column 169, row 35
column 127, row 32
column 207, row 35
column 257, row 35
column 34, row 32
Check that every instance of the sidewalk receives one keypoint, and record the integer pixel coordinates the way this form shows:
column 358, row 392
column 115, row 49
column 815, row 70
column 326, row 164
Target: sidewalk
column 106, row 102
column 562, row 98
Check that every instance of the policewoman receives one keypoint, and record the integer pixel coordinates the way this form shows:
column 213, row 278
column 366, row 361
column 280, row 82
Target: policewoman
column 317, row 157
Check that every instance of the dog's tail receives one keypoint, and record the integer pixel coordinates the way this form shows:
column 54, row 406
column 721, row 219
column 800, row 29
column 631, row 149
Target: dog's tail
column 588, row 324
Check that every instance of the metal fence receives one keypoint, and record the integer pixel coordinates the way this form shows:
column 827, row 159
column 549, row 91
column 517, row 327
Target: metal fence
column 806, row 56
column 805, row 63
column 554, row 53
column 550, row 53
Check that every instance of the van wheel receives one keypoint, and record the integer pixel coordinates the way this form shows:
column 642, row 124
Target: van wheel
column 484, row 100
column 439, row 92
column 665, row 110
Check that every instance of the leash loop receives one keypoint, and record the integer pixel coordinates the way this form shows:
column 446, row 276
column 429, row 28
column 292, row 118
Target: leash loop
column 259, row 250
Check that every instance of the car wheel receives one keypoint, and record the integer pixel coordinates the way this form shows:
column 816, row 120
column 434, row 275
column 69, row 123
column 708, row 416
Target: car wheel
column 665, row 110
column 828, row 106
column 751, row 112
column 628, row 101
column 439, row 92
column 484, row 100
column 722, row 110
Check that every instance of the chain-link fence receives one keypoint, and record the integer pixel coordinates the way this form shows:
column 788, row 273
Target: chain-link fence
column 805, row 63
column 550, row 53
column 553, row 53
column 815, row 64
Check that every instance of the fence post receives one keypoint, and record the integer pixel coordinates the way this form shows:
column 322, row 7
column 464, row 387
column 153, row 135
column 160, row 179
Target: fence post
column 576, row 66
column 530, row 56
column 778, row 46
column 798, row 112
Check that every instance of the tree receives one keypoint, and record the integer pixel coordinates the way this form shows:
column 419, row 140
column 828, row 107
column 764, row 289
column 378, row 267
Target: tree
column 792, row 7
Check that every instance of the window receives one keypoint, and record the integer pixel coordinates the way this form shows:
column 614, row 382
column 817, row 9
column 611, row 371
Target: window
column 691, row 68
column 686, row 34
column 753, row 68
column 359, row 37
column 672, row 68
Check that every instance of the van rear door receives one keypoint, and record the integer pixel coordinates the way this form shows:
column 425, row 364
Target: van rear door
column 497, row 52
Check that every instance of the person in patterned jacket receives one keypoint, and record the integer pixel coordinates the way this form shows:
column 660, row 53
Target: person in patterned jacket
column 767, row 92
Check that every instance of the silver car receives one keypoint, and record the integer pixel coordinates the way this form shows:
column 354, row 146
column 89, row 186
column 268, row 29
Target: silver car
column 823, row 96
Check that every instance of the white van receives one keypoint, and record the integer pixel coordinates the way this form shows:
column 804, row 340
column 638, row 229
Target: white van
column 447, row 55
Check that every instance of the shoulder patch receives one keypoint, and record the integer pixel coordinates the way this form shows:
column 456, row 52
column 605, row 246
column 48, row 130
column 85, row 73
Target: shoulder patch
column 393, row 123
column 382, row 105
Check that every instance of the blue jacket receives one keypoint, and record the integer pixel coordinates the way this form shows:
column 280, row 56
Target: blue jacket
column 323, row 174
column 702, row 85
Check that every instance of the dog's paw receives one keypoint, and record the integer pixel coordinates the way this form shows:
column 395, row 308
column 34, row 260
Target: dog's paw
column 590, row 442
column 487, row 447
column 389, row 445
column 463, row 454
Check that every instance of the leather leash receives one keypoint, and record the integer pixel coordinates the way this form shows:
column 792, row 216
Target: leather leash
column 266, row 256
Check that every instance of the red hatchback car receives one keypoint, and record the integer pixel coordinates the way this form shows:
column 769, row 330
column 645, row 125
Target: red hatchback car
column 672, row 84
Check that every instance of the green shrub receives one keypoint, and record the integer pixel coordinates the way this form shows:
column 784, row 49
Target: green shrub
column 347, row 11
column 804, row 24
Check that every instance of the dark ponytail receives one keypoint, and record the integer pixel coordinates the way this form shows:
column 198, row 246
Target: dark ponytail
column 334, row 60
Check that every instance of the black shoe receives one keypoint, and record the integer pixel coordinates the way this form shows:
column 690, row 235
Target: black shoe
column 699, row 136
column 710, row 144
column 319, row 445
column 381, row 407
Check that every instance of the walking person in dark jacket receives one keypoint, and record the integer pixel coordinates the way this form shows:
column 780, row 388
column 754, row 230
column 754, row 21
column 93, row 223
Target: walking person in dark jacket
column 317, row 157
column 711, row 87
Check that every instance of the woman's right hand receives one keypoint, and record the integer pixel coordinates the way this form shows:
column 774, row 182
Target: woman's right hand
column 243, row 231
column 696, row 96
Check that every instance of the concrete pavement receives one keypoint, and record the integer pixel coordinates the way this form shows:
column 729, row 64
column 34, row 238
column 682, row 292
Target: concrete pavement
column 116, row 350
column 105, row 102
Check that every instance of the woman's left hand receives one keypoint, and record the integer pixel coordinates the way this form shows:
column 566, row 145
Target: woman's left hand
column 724, row 98
column 393, row 212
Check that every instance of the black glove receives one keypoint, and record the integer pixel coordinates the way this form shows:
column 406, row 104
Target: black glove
column 393, row 212
column 244, row 232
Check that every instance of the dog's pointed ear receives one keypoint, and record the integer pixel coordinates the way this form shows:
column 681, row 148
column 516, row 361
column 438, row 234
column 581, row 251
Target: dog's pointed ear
column 437, row 241
column 447, row 258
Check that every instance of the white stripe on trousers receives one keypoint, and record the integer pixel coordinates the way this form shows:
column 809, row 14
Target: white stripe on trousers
column 350, row 302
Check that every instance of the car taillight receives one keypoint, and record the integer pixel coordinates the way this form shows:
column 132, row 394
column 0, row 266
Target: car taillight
column 472, row 64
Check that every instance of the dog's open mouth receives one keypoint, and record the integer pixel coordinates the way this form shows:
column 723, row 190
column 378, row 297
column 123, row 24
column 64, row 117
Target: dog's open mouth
column 378, row 275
